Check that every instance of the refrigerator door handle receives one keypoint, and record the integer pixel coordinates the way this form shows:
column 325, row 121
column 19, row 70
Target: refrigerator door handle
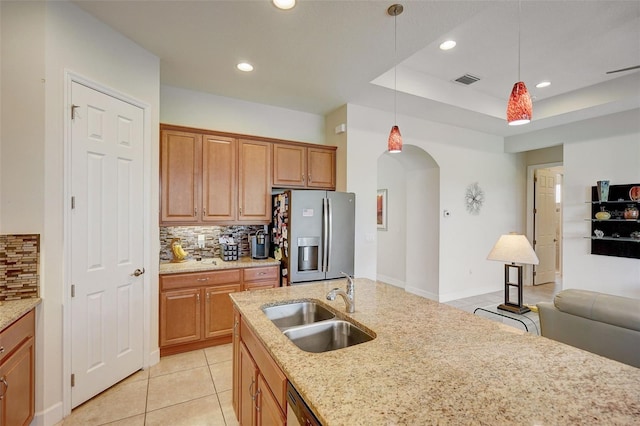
column 325, row 233
column 329, row 234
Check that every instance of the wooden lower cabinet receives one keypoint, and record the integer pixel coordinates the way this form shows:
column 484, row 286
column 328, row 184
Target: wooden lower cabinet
column 17, row 372
column 261, row 278
column 259, row 386
column 180, row 317
column 219, row 310
column 195, row 308
column 268, row 410
column 248, row 387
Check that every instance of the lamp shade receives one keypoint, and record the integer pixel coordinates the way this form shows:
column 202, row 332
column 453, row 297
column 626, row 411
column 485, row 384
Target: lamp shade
column 514, row 248
column 395, row 140
column 519, row 108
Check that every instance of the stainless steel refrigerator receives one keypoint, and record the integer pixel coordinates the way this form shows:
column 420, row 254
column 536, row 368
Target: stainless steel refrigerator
column 314, row 231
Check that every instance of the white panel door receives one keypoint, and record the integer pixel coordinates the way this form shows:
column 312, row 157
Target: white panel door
column 106, row 241
column 545, row 226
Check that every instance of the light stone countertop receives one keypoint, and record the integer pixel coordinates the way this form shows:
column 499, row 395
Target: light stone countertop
column 207, row 265
column 11, row 310
column 431, row 363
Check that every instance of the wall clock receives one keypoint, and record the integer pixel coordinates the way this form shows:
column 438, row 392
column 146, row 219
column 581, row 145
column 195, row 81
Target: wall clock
column 474, row 198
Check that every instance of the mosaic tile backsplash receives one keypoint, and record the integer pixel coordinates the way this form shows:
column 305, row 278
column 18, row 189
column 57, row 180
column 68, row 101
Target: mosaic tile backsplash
column 19, row 266
column 189, row 240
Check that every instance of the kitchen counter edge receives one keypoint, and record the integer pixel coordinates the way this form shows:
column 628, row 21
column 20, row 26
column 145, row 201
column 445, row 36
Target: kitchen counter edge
column 12, row 310
column 167, row 268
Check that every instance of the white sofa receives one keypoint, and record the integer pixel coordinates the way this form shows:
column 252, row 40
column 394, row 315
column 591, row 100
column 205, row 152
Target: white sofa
column 596, row 322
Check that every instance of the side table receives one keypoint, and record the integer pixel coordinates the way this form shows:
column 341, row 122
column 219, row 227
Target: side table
column 507, row 317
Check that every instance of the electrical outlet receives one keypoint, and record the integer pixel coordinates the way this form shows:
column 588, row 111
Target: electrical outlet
column 201, row 240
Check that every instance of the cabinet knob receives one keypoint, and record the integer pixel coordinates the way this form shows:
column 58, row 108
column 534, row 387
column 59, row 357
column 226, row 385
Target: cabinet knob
column 6, row 386
column 1, row 349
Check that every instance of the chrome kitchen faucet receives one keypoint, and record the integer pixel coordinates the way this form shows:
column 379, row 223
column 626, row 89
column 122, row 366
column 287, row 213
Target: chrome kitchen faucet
column 349, row 296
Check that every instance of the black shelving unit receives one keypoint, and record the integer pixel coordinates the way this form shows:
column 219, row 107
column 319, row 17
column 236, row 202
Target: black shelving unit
column 617, row 239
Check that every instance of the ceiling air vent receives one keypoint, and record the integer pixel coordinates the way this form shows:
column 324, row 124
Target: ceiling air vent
column 467, row 79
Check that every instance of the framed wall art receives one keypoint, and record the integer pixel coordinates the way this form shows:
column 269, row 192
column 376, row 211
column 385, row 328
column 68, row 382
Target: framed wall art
column 381, row 209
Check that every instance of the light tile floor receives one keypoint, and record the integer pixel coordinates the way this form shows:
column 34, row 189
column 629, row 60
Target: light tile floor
column 194, row 388
column 489, row 301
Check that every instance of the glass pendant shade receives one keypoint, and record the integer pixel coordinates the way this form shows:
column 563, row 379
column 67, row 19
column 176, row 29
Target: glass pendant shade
column 395, row 140
column 519, row 108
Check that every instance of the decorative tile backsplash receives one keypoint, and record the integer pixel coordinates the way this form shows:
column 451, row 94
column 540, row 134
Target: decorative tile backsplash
column 19, row 266
column 189, row 239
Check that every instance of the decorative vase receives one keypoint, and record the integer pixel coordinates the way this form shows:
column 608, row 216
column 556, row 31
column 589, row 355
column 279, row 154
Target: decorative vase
column 603, row 190
column 603, row 214
column 631, row 212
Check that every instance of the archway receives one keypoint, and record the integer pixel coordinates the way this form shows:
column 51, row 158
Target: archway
column 408, row 249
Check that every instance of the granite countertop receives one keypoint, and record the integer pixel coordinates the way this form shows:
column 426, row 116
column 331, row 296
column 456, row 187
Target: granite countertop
column 11, row 310
column 214, row 264
column 431, row 363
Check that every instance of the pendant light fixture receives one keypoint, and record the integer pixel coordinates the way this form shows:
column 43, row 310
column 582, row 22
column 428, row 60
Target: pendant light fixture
column 395, row 138
column 519, row 108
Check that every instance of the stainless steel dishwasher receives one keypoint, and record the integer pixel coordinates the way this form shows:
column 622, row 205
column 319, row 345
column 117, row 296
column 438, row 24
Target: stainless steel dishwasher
column 298, row 413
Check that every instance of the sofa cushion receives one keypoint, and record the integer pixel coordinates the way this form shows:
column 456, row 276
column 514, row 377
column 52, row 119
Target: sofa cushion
column 607, row 308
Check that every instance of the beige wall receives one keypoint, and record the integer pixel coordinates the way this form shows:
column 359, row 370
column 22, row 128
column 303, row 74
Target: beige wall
column 544, row 156
column 332, row 120
column 40, row 42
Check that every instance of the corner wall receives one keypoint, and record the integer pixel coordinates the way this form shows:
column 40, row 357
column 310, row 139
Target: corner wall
column 617, row 159
column 184, row 107
column 40, row 41
column 464, row 156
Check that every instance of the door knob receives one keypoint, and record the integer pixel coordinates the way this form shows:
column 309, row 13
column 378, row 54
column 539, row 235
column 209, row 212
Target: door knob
column 138, row 272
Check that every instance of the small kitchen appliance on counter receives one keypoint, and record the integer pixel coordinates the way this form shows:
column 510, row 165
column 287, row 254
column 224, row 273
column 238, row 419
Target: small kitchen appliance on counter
column 259, row 245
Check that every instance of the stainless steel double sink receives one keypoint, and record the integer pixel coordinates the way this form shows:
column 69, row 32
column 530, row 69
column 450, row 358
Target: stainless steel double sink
column 314, row 328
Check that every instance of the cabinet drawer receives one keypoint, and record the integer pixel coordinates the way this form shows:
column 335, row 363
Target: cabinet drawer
column 195, row 279
column 272, row 374
column 260, row 274
column 18, row 332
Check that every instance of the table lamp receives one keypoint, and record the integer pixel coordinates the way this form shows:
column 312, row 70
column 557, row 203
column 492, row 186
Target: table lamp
column 513, row 248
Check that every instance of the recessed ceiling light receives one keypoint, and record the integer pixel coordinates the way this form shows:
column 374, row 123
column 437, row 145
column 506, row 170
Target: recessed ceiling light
column 543, row 84
column 446, row 45
column 284, row 4
column 245, row 66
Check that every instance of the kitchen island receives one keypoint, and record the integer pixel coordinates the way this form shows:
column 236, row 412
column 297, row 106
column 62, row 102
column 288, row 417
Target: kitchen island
column 431, row 363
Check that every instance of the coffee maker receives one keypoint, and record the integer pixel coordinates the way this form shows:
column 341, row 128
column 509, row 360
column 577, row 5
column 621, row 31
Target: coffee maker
column 259, row 245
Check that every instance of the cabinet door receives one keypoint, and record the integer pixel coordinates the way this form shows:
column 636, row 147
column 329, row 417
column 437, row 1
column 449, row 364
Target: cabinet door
column 235, row 398
column 289, row 166
column 321, row 165
column 219, row 310
column 180, row 319
column 254, row 189
column 17, row 386
column 180, row 157
column 268, row 410
column 248, row 387
column 219, row 179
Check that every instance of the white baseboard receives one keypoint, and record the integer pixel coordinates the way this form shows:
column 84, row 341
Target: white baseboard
column 389, row 280
column 48, row 417
column 421, row 292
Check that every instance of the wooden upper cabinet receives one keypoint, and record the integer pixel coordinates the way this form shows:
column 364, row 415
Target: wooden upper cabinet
column 321, row 164
column 289, row 166
column 219, row 179
column 254, row 182
column 180, row 159
column 297, row 166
